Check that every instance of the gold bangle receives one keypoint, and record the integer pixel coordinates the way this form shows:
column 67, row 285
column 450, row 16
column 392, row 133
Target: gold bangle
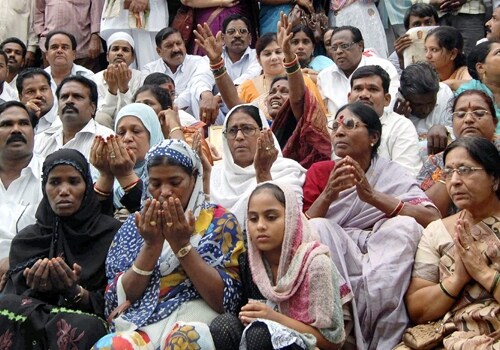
column 445, row 291
column 442, row 181
column 141, row 272
column 174, row 129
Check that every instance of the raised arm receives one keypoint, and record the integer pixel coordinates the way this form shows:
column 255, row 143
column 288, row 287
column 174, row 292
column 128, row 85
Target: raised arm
column 213, row 46
column 297, row 88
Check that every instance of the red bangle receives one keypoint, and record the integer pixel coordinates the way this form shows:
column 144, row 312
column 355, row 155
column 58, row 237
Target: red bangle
column 218, row 65
column 101, row 192
column 397, row 210
column 291, row 64
column 132, row 185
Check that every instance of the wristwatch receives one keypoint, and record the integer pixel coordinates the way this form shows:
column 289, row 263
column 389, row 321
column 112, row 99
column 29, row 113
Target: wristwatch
column 184, row 251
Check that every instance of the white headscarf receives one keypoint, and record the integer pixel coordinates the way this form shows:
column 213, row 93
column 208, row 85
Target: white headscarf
column 231, row 185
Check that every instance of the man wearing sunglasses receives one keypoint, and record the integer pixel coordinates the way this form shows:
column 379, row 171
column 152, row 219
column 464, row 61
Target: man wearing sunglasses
column 399, row 139
column 240, row 62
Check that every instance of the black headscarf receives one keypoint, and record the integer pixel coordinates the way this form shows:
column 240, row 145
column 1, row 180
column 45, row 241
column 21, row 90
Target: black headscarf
column 83, row 238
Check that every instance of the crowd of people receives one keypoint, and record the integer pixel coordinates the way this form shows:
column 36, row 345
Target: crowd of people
column 274, row 177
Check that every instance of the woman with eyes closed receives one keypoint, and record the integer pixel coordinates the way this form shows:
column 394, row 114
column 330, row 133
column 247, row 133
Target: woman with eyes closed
column 369, row 203
column 173, row 267
column 473, row 115
column 444, row 50
column 456, row 277
column 299, row 122
column 251, row 155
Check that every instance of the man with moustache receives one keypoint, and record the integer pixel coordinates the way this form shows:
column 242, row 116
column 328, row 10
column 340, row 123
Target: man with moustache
column 176, row 63
column 118, row 83
column 77, row 105
column 20, row 175
column 16, row 52
column 399, row 140
column 241, row 64
column 493, row 26
column 33, row 86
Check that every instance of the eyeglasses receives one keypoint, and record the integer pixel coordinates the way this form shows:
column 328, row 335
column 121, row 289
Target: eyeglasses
column 232, row 31
column 247, row 130
column 347, row 123
column 461, row 171
column 477, row 113
column 343, row 47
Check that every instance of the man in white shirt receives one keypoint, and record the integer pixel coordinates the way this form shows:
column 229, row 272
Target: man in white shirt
column 424, row 100
column 176, row 63
column 76, row 108
column 16, row 52
column 241, row 64
column 118, row 83
column 399, row 140
column 7, row 93
column 493, row 25
column 20, row 175
column 60, row 53
column 347, row 52
column 35, row 92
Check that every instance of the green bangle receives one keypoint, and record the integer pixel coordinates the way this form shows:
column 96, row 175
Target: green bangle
column 496, row 281
column 448, row 294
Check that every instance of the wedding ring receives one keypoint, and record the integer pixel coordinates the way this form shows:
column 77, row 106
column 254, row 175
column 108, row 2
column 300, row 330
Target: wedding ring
column 268, row 148
column 112, row 155
column 467, row 248
column 152, row 223
column 169, row 224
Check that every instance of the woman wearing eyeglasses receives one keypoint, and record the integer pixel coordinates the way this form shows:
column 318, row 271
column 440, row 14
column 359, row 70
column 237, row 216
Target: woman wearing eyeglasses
column 473, row 115
column 374, row 210
column 456, row 278
column 251, row 155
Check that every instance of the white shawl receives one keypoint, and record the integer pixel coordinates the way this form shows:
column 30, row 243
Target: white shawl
column 231, row 185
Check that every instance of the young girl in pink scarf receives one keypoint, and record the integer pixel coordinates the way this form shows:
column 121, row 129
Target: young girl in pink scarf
column 291, row 288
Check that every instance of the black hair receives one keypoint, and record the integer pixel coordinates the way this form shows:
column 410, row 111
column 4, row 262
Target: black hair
column 369, row 117
column 264, row 41
column 161, row 95
column 477, row 55
column 357, row 37
column 275, row 190
column 306, row 30
column 251, row 111
column 420, row 10
column 164, row 34
column 276, row 79
column 450, row 38
column 84, row 81
column 235, row 17
column 482, row 151
column 32, row 117
column 158, row 78
column 29, row 73
column 55, row 32
column 17, row 41
column 370, row 71
column 419, row 78
column 487, row 98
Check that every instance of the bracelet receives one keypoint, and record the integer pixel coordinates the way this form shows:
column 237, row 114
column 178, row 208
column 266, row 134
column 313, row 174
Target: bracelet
column 290, row 71
column 174, row 129
column 77, row 298
column 307, row 216
column 218, row 65
column 219, row 72
column 496, row 281
column 184, row 251
column 397, row 210
column 448, row 294
column 442, row 181
column 291, row 63
column 100, row 192
column 141, row 272
column 220, row 75
column 129, row 187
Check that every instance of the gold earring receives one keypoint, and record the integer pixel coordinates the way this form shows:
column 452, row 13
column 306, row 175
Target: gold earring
column 371, row 144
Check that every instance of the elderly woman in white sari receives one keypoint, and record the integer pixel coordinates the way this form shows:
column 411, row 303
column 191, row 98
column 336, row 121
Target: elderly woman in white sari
column 374, row 210
column 251, row 155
